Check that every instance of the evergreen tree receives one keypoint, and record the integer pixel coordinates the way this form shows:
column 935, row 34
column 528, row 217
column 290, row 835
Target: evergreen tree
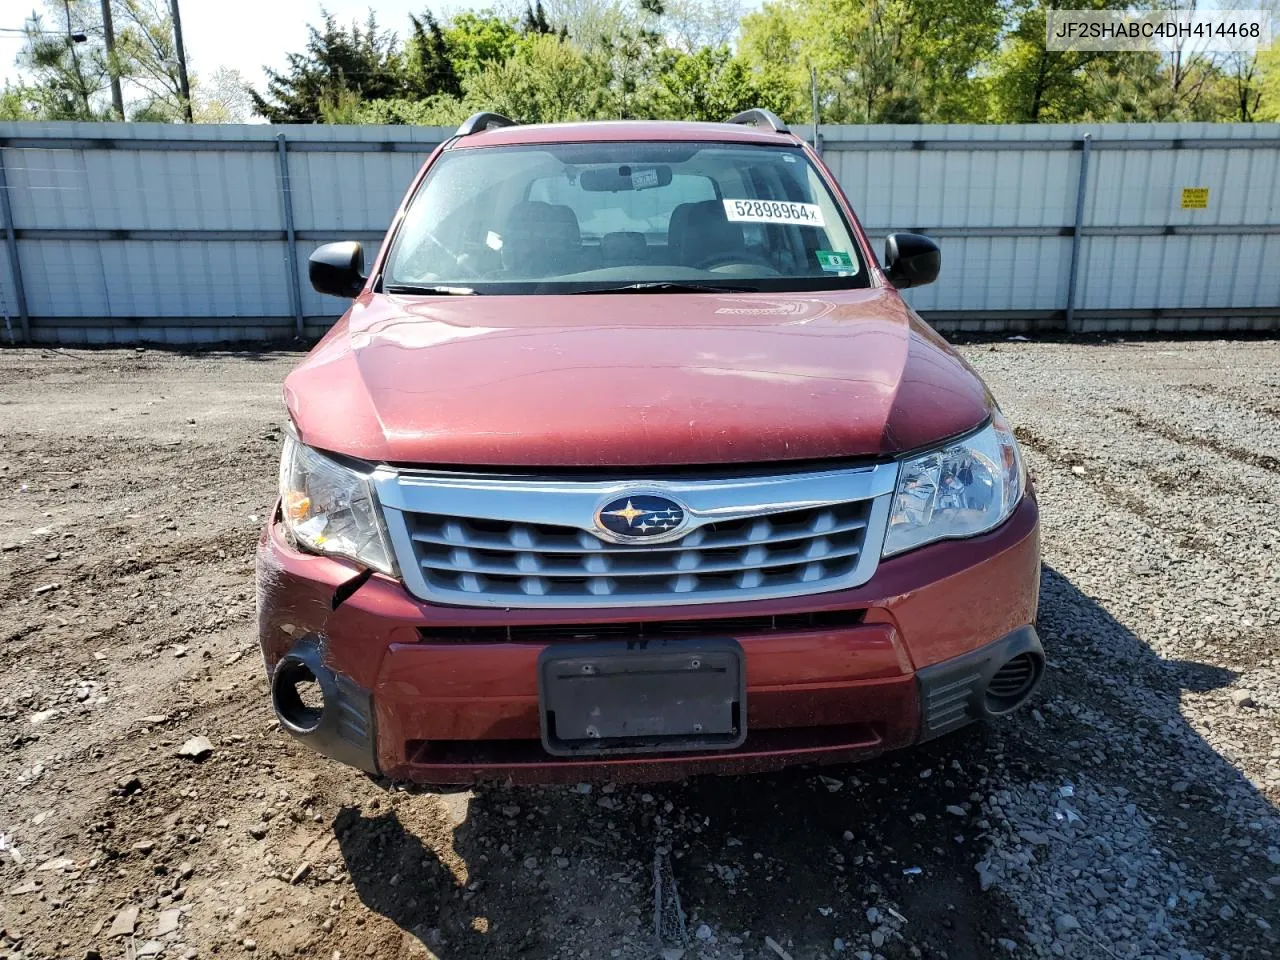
column 337, row 61
column 429, row 68
column 535, row 20
column 69, row 77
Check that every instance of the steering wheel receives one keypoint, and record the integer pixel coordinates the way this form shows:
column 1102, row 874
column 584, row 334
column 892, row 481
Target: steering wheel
column 726, row 257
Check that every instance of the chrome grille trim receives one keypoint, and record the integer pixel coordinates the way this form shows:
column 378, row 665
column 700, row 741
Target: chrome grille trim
column 526, row 543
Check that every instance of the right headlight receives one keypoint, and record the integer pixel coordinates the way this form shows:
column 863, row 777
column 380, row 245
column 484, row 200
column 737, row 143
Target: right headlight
column 329, row 508
column 961, row 490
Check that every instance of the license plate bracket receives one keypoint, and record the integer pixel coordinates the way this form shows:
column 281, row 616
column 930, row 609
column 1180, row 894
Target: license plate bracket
column 628, row 697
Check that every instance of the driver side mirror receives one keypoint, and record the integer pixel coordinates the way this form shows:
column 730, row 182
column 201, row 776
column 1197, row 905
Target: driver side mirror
column 911, row 259
column 337, row 268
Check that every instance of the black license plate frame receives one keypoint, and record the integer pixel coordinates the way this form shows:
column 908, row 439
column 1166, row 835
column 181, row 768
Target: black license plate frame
column 611, row 698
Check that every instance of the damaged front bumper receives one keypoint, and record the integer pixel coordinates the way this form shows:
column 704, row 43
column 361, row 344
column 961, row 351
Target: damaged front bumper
column 434, row 694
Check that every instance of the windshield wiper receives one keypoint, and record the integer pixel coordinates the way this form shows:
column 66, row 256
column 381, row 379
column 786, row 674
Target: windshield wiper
column 672, row 286
column 446, row 291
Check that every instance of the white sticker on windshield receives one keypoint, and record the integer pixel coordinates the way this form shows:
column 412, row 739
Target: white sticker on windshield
column 774, row 211
column 643, row 179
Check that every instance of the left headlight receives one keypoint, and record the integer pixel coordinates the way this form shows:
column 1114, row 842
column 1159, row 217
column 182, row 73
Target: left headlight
column 330, row 508
column 966, row 488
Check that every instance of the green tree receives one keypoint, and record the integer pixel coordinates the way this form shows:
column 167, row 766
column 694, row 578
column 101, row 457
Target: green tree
column 692, row 25
column 338, row 61
column 223, row 98
column 711, row 84
column 878, row 61
column 428, row 64
column 776, row 46
column 1125, row 88
column 588, row 22
column 1028, row 83
column 548, row 79
column 18, row 103
column 1269, row 84
column 1240, row 86
column 1245, row 75
column 633, row 54
column 438, row 110
column 147, row 56
column 68, row 78
column 477, row 40
column 866, row 68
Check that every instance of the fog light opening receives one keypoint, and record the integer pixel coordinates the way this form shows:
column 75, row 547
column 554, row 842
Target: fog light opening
column 1013, row 683
column 297, row 696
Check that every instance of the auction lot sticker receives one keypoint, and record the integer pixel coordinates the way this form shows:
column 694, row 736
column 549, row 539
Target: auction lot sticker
column 774, row 211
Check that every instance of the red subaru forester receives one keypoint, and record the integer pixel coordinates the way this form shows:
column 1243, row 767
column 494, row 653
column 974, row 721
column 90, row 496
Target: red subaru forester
column 628, row 461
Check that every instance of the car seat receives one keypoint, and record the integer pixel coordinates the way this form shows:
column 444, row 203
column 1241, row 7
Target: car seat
column 698, row 231
column 541, row 240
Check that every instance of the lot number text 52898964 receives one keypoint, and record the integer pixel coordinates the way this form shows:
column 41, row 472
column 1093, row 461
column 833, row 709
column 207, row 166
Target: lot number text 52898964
column 773, row 211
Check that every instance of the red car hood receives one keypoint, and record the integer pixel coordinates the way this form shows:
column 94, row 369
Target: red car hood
column 631, row 380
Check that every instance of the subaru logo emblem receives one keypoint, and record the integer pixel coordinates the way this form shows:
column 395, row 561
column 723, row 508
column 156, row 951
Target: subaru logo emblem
column 639, row 517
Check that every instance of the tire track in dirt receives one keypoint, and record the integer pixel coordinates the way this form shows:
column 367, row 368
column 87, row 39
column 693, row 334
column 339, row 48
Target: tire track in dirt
column 1261, row 461
column 1251, row 405
column 1063, row 457
column 1188, row 527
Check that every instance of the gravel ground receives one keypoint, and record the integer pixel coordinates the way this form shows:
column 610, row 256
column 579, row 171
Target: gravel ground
column 1131, row 813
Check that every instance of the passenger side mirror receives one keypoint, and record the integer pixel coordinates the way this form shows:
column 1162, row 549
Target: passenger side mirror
column 911, row 259
column 337, row 268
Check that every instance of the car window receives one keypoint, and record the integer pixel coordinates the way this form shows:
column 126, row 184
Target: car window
column 560, row 218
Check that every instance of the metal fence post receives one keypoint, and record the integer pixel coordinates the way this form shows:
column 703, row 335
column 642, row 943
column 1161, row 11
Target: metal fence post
column 813, row 89
column 11, row 242
column 1074, row 270
column 291, row 251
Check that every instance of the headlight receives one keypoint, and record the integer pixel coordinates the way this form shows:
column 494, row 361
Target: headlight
column 966, row 488
column 329, row 508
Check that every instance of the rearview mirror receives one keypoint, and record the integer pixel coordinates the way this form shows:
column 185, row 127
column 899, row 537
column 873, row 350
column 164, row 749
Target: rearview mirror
column 625, row 177
column 337, row 268
column 911, row 259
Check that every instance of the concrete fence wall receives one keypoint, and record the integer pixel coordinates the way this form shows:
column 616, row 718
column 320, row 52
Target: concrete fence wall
column 129, row 232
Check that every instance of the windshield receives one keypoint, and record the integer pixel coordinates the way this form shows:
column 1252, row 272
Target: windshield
column 579, row 217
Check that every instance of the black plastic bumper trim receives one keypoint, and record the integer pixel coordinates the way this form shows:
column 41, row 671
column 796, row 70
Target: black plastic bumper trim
column 345, row 731
column 954, row 692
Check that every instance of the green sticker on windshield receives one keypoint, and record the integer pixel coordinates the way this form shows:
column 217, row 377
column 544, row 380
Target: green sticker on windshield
column 833, row 261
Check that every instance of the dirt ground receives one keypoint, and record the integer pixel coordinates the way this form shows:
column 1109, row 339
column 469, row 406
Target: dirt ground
column 1132, row 813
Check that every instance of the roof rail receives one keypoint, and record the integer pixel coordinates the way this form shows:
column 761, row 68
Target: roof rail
column 760, row 117
column 482, row 121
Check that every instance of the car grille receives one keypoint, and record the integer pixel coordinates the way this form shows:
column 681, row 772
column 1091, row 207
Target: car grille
column 521, row 560
column 502, row 550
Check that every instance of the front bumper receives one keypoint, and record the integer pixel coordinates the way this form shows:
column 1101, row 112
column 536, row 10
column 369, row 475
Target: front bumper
column 904, row 657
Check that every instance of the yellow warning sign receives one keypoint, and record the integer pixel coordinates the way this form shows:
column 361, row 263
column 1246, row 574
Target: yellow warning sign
column 1195, row 198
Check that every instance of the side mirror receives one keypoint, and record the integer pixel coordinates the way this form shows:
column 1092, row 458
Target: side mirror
column 337, row 268
column 911, row 259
